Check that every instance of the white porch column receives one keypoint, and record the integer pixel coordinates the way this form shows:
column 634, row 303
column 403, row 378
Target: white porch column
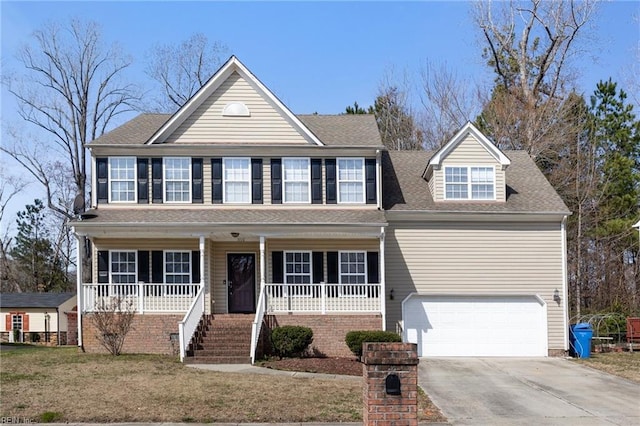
column 79, row 288
column 263, row 267
column 201, row 247
column 383, row 286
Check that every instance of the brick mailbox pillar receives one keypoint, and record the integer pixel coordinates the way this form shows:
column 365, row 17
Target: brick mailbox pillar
column 391, row 384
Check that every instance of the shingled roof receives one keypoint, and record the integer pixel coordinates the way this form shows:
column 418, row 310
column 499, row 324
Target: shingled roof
column 34, row 300
column 332, row 130
column 404, row 189
column 271, row 216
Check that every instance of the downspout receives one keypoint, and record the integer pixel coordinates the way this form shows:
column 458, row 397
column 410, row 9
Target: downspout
column 79, row 288
column 383, row 289
column 201, row 248
column 565, row 290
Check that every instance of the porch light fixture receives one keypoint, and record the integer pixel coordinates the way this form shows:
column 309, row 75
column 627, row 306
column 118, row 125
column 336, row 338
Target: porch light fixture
column 391, row 297
column 235, row 234
column 556, row 296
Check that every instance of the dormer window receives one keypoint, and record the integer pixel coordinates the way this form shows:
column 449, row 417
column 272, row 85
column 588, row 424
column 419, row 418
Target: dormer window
column 469, row 183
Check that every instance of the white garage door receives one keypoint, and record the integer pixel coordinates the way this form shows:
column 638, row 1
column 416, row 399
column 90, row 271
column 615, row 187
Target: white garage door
column 476, row 325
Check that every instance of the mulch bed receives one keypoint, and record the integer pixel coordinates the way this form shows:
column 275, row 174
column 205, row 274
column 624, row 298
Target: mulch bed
column 344, row 366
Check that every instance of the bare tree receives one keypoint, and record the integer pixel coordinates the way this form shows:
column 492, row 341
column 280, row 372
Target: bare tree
column 10, row 186
column 113, row 319
column 183, row 68
column 449, row 102
column 529, row 45
column 70, row 92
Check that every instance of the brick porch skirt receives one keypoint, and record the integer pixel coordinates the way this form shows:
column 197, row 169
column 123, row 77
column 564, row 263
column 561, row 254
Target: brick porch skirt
column 150, row 334
column 329, row 331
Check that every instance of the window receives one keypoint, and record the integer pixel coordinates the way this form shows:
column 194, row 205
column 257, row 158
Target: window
column 237, row 180
column 123, row 267
column 474, row 183
column 16, row 322
column 350, row 180
column 177, row 179
column 177, row 270
column 353, row 273
column 296, row 180
column 122, row 173
column 297, row 270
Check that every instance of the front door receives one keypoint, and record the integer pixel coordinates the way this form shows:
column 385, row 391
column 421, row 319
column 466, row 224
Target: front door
column 241, row 282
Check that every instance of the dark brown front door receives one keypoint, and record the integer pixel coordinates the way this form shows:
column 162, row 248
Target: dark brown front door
column 241, row 282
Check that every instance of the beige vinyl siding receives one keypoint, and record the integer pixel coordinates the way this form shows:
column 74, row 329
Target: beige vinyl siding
column 317, row 245
column 476, row 258
column 469, row 153
column 207, row 125
column 266, row 180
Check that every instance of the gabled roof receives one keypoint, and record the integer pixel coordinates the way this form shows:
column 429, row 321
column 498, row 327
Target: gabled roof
column 469, row 128
column 34, row 300
column 232, row 65
column 405, row 189
column 332, row 130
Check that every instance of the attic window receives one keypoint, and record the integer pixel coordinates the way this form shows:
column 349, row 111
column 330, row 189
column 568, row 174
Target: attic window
column 235, row 109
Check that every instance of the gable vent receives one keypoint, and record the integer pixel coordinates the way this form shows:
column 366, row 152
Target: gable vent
column 235, row 109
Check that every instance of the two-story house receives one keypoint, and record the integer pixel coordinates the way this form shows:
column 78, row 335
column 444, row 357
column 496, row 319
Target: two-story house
column 235, row 215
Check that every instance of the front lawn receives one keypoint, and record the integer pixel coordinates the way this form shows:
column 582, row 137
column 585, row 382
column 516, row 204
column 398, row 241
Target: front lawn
column 64, row 385
column 623, row 364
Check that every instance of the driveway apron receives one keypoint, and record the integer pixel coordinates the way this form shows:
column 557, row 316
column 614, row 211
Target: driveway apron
column 540, row 391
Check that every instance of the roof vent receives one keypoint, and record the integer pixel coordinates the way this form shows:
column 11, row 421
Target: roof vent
column 235, row 109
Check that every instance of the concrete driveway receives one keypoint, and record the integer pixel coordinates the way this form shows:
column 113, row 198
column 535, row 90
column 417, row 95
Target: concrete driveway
column 527, row 391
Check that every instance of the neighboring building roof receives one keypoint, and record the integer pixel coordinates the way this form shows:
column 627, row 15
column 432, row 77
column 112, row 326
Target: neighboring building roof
column 404, row 189
column 34, row 300
column 272, row 216
column 332, row 130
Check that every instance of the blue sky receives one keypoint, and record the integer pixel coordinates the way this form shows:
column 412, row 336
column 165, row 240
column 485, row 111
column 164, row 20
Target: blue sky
column 316, row 56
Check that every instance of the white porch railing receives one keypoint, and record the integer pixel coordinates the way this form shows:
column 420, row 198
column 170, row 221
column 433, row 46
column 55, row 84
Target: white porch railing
column 323, row 298
column 144, row 297
column 187, row 327
column 257, row 324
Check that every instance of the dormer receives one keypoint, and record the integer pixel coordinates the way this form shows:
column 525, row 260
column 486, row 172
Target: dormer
column 469, row 168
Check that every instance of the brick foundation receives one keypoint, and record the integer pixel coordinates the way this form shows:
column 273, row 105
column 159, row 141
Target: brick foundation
column 558, row 353
column 72, row 328
column 150, row 334
column 329, row 331
column 380, row 360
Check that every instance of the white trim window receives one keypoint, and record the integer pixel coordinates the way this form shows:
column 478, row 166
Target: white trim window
column 353, row 272
column 177, row 179
column 350, row 177
column 236, row 174
column 296, row 175
column 16, row 322
column 123, row 268
column 122, row 179
column 298, row 271
column 469, row 183
column 177, row 267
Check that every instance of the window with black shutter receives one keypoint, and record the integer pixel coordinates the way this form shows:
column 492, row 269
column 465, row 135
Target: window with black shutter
column 196, row 181
column 330, row 166
column 216, row 180
column 143, row 180
column 276, row 181
column 102, row 174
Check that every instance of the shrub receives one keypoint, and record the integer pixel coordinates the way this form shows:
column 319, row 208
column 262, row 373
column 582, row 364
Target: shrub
column 355, row 339
column 291, row 340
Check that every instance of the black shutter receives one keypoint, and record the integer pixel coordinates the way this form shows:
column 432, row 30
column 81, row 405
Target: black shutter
column 195, row 267
column 277, row 267
column 316, row 181
column 102, row 172
column 143, row 180
column 103, row 266
column 330, row 165
column 373, row 267
column 143, row 266
column 276, row 181
column 216, row 180
column 318, row 267
column 157, row 266
column 332, row 267
column 156, row 176
column 370, row 180
column 196, row 180
column 256, row 180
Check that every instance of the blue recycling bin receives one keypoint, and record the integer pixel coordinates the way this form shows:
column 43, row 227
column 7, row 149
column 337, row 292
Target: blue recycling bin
column 580, row 340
